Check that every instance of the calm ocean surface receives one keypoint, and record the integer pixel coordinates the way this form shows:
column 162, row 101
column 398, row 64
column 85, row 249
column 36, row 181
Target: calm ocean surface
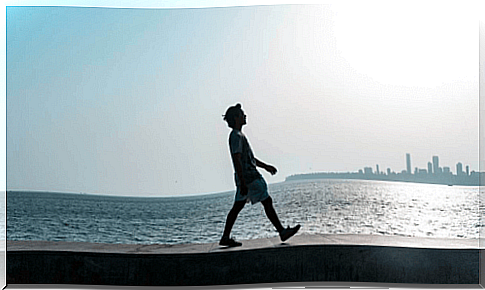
column 320, row 206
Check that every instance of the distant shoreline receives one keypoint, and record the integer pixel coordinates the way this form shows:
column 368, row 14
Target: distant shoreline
column 470, row 180
column 86, row 194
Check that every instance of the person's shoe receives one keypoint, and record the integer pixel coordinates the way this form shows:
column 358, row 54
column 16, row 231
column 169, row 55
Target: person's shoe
column 288, row 233
column 229, row 242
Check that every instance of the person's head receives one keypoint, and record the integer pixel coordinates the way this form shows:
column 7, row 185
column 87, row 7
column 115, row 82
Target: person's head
column 235, row 116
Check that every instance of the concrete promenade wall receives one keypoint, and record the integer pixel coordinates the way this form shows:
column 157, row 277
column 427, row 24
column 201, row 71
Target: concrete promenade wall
column 304, row 258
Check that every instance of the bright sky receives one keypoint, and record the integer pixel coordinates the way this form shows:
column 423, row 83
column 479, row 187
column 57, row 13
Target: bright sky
column 130, row 101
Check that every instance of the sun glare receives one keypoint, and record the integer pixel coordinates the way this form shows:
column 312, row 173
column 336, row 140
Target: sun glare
column 405, row 44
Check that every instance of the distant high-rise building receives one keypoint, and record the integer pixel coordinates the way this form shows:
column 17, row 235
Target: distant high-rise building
column 408, row 163
column 467, row 170
column 436, row 165
column 416, row 171
column 388, row 171
column 446, row 170
column 368, row 170
column 459, row 168
column 430, row 168
column 377, row 169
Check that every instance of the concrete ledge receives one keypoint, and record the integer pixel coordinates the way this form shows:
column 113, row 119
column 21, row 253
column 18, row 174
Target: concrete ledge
column 304, row 258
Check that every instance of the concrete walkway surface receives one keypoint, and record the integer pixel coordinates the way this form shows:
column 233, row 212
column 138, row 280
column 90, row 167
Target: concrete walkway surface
column 303, row 258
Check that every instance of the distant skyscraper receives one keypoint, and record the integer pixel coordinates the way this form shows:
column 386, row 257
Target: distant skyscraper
column 408, row 163
column 436, row 165
column 430, row 168
column 459, row 168
column 377, row 169
column 467, row 170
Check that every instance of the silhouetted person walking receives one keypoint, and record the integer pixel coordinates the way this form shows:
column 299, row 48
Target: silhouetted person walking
column 249, row 182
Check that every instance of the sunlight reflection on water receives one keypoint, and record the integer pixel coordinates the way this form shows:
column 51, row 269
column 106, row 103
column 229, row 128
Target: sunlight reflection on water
column 320, row 206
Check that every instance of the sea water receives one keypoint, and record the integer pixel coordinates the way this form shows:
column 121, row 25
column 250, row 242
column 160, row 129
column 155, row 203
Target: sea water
column 320, row 206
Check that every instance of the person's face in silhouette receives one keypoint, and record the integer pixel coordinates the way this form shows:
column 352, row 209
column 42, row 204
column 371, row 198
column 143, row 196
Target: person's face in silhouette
column 241, row 119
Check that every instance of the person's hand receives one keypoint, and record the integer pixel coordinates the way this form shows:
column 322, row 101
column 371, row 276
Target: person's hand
column 271, row 169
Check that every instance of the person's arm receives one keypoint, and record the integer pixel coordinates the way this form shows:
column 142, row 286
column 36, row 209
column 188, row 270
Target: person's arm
column 236, row 158
column 271, row 169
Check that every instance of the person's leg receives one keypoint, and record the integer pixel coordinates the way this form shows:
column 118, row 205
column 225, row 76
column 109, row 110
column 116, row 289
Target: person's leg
column 231, row 217
column 271, row 213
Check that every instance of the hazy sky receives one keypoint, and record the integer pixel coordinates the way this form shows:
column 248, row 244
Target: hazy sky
column 130, row 101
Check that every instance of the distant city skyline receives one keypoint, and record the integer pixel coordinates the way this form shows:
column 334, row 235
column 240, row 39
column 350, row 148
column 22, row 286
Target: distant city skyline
column 434, row 174
column 433, row 168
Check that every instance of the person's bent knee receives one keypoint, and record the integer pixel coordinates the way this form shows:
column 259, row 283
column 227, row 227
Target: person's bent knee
column 267, row 202
column 238, row 205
